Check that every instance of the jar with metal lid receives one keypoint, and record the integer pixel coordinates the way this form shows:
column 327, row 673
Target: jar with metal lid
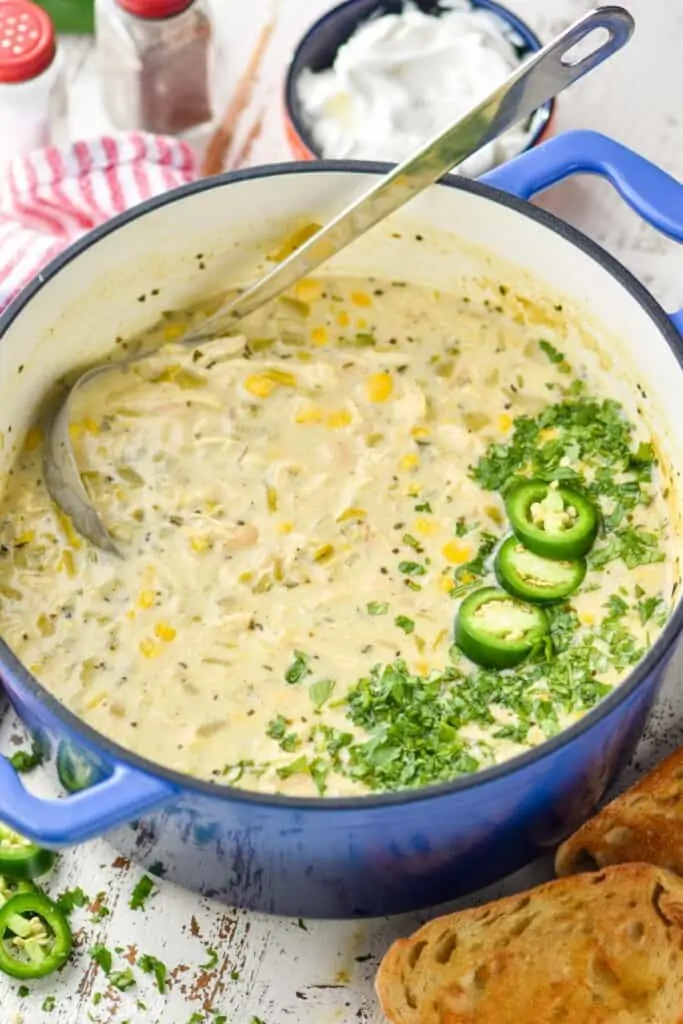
column 32, row 85
column 156, row 61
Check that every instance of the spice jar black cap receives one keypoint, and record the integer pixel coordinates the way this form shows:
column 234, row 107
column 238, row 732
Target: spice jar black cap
column 27, row 41
column 155, row 9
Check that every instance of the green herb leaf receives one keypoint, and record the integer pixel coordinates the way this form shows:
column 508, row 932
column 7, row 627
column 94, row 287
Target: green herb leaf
column 141, row 893
column 553, row 354
column 23, row 991
column 424, row 506
column 320, row 691
column 377, row 607
column 294, row 768
column 48, row 1004
column 70, row 899
column 102, row 957
column 26, row 760
column 404, row 623
column 298, row 669
column 412, row 542
column 122, row 980
column 211, row 961
column 150, row 965
column 411, row 569
column 633, row 545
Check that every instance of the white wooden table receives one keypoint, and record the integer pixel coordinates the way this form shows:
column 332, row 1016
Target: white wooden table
column 260, row 969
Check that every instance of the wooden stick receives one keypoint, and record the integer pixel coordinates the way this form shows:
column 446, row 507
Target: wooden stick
column 222, row 138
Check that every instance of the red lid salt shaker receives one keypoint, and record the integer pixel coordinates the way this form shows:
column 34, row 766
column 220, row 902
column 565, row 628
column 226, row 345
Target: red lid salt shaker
column 32, row 88
column 157, row 61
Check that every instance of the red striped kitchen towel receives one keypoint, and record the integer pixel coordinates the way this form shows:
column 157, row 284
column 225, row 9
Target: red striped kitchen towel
column 51, row 196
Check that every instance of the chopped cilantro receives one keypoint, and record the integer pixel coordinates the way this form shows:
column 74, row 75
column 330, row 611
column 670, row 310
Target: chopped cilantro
column 424, row 506
column 72, row 898
column 298, row 669
column 377, row 607
column 212, row 960
column 652, row 608
column 277, row 727
column 412, row 542
column 320, row 691
column 150, row 965
column 404, row 623
column 302, row 924
column 411, row 569
column 632, row 544
column 23, row 991
column 122, row 980
column 102, row 957
column 26, row 760
column 461, row 527
column 553, row 354
column 141, row 893
column 294, row 767
column 48, row 1004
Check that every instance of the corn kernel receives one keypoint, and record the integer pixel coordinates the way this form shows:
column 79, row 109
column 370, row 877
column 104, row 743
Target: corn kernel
column 149, row 649
column 173, row 331
column 504, row 422
column 456, row 553
column 200, row 544
column 422, row 668
column 309, row 414
column 33, row 438
column 352, row 513
column 45, row 625
column 26, row 538
column 379, row 387
column 165, row 632
column 308, row 290
column 130, row 615
column 260, row 386
column 427, row 527
column 323, row 553
column 419, row 433
column 285, row 527
column 587, row 619
column 361, row 299
column 245, row 577
column 319, row 335
column 76, row 431
column 146, row 599
column 446, row 584
column 338, row 418
column 343, row 319
column 362, row 323
column 271, row 499
column 414, row 490
column 409, row 462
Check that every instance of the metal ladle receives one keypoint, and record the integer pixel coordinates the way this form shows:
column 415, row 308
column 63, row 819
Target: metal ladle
column 540, row 78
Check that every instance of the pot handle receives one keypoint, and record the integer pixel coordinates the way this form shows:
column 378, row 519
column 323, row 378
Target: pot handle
column 647, row 189
column 118, row 798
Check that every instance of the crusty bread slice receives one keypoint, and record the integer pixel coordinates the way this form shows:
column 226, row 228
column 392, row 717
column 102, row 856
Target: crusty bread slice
column 600, row 948
column 645, row 823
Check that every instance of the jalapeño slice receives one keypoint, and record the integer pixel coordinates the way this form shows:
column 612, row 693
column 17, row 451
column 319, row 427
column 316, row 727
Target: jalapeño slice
column 551, row 520
column 35, row 939
column 20, row 858
column 533, row 578
column 496, row 630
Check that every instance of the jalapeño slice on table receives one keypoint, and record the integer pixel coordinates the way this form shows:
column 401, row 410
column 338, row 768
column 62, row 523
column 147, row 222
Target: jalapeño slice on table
column 551, row 520
column 35, row 939
column 496, row 630
column 20, row 858
column 533, row 578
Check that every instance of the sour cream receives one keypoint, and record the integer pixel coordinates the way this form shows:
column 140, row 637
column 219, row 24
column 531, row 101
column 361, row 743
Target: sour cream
column 402, row 78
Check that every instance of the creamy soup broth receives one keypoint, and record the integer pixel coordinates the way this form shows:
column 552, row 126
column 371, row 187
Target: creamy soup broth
column 302, row 508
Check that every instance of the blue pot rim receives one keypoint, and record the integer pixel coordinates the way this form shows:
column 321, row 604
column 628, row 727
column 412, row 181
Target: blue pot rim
column 532, row 44
column 12, row 668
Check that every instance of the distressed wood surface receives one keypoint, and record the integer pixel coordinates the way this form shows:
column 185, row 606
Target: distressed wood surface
column 242, row 967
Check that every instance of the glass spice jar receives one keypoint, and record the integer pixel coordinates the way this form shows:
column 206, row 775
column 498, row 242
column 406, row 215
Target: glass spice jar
column 32, row 85
column 156, row 64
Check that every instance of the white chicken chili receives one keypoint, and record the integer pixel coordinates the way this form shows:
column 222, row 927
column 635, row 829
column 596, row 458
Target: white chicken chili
column 303, row 509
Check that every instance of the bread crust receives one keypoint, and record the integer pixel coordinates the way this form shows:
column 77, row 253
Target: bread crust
column 645, row 823
column 599, row 948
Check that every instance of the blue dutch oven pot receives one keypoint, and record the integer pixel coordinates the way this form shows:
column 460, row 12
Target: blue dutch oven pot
column 380, row 854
